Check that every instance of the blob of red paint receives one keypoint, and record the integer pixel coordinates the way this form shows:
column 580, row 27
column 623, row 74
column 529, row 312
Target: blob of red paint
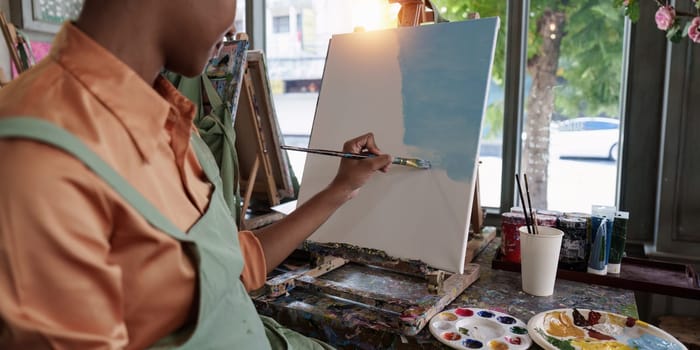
column 593, row 318
column 514, row 340
column 464, row 312
column 451, row 336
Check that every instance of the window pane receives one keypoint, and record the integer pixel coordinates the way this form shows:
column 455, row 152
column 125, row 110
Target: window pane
column 571, row 128
column 280, row 24
column 240, row 16
column 492, row 134
column 296, row 55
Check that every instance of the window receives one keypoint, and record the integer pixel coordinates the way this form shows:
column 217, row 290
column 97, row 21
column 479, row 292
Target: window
column 280, row 24
column 239, row 22
column 572, row 72
column 296, row 59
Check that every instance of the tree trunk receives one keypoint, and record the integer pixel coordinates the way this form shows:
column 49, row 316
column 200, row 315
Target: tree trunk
column 540, row 104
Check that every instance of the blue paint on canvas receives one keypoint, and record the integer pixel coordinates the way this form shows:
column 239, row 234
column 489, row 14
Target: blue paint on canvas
column 444, row 86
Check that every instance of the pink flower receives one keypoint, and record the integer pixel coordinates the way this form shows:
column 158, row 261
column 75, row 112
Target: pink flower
column 665, row 17
column 694, row 30
column 626, row 2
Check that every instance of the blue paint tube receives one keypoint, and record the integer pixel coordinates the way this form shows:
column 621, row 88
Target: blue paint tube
column 617, row 244
column 598, row 256
column 597, row 213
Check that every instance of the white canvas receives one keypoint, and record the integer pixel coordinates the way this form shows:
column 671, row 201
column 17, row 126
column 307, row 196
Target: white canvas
column 422, row 92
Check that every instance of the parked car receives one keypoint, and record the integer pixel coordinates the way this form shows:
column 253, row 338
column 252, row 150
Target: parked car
column 588, row 137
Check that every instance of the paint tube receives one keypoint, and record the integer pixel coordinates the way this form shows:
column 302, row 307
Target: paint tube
column 617, row 244
column 590, row 235
column 573, row 244
column 597, row 213
column 596, row 261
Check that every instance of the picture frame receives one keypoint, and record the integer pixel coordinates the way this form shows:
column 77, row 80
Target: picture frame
column 43, row 15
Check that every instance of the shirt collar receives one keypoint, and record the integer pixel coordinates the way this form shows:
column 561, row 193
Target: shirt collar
column 141, row 108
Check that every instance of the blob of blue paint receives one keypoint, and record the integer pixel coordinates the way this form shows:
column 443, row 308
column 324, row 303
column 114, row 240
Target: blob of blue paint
column 444, row 121
column 472, row 344
column 648, row 341
column 505, row 319
column 486, row 314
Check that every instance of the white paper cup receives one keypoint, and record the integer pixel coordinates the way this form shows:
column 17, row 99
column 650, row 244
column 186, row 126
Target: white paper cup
column 539, row 256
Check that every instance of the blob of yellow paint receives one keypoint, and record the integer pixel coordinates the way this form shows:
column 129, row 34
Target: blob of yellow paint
column 598, row 345
column 448, row 316
column 559, row 324
column 641, row 324
column 498, row 345
column 617, row 320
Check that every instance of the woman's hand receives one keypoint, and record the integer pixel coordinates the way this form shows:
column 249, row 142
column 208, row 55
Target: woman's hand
column 354, row 173
column 281, row 238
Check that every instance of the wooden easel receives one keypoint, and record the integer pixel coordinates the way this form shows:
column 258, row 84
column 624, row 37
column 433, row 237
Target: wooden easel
column 258, row 140
column 414, row 12
column 10, row 34
column 432, row 289
column 248, row 101
column 3, row 79
column 239, row 81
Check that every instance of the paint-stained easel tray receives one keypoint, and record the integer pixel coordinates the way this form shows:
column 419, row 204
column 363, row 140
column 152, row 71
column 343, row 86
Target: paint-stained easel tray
column 642, row 275
column 592, row 329
column 406, row 293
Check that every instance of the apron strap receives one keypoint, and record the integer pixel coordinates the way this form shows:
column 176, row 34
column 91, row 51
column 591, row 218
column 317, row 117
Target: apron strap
column 51, row 134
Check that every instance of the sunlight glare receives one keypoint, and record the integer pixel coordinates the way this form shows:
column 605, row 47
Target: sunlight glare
column 374, row 14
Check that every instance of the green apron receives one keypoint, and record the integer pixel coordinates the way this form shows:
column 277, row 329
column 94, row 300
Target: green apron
column 227, row 318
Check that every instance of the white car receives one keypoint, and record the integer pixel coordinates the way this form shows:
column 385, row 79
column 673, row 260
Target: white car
column 588, row 137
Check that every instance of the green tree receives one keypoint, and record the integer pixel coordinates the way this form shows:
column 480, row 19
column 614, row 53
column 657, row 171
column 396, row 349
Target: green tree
column 574, row 59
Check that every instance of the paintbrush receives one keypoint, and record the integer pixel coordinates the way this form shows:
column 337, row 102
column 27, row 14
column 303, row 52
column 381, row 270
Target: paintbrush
column 533, row 216
column 410, row 162
column 522, row 200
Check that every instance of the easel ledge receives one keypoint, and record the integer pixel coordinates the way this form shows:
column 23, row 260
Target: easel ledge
column 430, row 289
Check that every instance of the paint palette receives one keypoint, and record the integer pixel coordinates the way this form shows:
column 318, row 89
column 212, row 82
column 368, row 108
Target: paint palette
column 472, row 328
column 575, row 329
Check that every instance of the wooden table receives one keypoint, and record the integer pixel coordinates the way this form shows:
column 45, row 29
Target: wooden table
column 346, row 325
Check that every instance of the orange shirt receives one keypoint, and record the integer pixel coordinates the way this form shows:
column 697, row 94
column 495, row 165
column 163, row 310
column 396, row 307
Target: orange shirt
column 79, row 268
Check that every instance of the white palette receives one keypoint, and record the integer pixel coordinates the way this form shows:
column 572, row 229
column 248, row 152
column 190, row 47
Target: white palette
column 472, row 328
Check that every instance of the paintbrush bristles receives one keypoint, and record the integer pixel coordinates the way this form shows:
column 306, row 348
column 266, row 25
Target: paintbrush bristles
column 412, row 162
